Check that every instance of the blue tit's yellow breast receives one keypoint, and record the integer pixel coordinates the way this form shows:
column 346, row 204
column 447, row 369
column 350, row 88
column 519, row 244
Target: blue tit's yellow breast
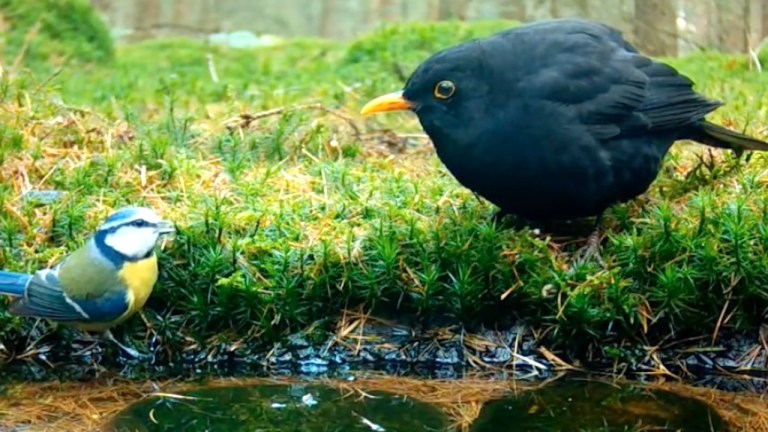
column 139, row 278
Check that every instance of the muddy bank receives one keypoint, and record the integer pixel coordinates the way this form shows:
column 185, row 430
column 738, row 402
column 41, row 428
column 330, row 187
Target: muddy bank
column 734, row 362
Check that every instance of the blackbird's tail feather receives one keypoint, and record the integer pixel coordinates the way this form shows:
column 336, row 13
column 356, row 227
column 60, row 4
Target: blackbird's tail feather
column 13, row 284
column 720, row 137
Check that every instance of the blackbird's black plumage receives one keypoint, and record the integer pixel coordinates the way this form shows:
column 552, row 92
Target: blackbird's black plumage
column 558, row 119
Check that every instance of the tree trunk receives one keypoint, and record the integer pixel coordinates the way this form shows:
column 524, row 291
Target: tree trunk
column 387, row 10
column 732, row 25
column 582, row 8
column 433, row 10
column 327, row 12
column 763, row 19
column 149, row 12
column 514, row 9
column 101, row 5
column 656, row 27
column 462, row 9
column 554, row 8
column 449, row 9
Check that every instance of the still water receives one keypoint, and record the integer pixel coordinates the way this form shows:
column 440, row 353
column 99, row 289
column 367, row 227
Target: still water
column 565, row 406
column 300, row 408
column 576, row 406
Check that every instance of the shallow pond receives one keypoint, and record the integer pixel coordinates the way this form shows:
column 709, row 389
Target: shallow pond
column 572, row 405
column 581, row 406
column 379, row 404
column 295, row 407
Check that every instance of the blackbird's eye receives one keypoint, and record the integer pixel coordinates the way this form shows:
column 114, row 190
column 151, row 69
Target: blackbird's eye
column 444, row 89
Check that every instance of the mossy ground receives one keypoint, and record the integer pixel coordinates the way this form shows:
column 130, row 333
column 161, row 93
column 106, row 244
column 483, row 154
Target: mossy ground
column 292, row 208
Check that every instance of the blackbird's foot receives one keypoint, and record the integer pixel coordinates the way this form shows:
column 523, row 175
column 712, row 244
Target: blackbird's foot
column 500, row 217
column 505, row 220
column 136, row 355
column 591, row 250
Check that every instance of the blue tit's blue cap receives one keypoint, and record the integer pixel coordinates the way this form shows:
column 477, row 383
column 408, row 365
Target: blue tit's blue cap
column 126, row 215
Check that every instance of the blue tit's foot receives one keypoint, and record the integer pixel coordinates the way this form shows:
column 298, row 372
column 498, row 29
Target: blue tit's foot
column 88, row 342
column 136, row 355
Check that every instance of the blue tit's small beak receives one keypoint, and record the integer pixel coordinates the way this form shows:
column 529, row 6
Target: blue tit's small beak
column 165, row 227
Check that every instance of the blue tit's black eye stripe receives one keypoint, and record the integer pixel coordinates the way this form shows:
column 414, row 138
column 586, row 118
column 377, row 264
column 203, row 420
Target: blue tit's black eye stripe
column 140, row 223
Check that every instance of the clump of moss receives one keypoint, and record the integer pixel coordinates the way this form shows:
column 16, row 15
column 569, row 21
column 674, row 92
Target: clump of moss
column 54, row 30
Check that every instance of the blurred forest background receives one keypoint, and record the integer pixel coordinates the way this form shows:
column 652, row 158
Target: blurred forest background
column 659, row 27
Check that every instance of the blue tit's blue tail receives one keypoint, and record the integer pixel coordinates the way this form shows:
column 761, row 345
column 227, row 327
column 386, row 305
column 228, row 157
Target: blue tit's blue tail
column 13, row 284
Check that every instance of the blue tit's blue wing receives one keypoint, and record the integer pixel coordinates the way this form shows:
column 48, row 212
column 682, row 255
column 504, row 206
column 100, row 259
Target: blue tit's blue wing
column 13, row 284
column 44, row 298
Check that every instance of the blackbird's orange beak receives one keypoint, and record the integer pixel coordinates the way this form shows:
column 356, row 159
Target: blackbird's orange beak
column 386, row 103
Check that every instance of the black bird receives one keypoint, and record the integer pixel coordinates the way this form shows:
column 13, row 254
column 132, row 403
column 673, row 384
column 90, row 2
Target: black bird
column 556, row 120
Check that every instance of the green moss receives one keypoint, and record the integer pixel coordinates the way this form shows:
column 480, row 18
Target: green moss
column 289, row 218
column 68, row 29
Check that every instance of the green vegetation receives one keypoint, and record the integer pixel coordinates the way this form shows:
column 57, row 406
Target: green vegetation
column 52, row 31
column 287, row 217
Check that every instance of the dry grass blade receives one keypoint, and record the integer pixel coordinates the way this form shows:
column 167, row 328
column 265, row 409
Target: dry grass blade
column 557, row 361
column 245, row 120
column 744, row 412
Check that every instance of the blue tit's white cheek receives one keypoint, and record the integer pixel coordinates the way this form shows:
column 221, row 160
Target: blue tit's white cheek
column 131, row 241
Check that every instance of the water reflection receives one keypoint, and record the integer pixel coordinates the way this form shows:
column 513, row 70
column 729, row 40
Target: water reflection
column 299, row 408
column 565, row 405
column 590, row 406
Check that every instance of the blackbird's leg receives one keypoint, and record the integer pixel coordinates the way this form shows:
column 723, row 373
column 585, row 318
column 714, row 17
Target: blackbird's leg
column 505, row 220
column 591, row 250
column 499, row 216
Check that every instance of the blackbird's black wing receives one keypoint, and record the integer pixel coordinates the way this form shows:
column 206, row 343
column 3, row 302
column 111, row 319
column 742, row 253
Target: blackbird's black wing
column 589, row 68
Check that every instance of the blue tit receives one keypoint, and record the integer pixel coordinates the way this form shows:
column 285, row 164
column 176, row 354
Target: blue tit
column 101, row 284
